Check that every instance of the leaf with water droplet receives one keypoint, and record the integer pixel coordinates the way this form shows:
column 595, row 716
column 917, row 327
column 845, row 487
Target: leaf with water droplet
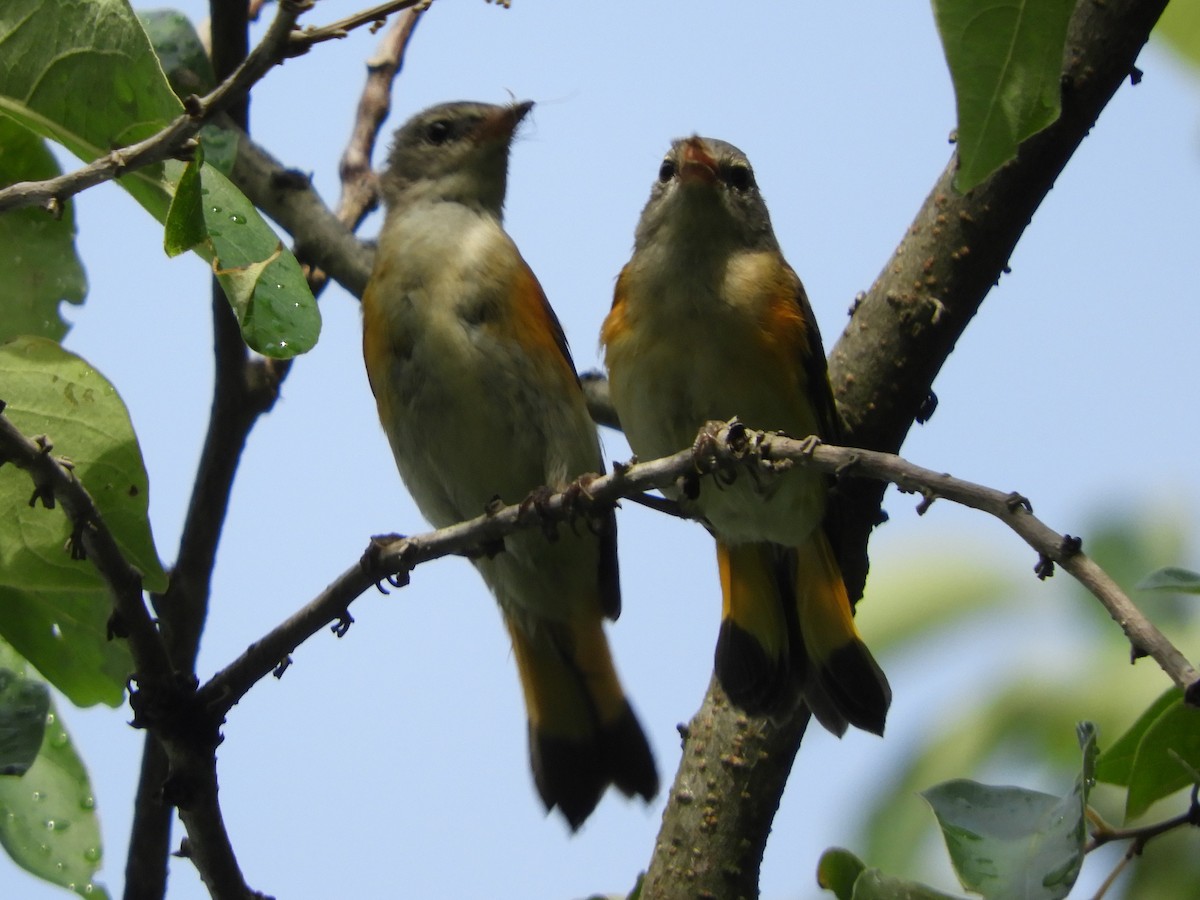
column 45, row 828
column 262, row 279
column 51, row 391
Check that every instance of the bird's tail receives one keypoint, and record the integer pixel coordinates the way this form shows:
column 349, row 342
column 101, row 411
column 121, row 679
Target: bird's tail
column 787, row 627
column 583, row 734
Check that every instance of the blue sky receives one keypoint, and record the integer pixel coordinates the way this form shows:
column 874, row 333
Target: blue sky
column 392, row 762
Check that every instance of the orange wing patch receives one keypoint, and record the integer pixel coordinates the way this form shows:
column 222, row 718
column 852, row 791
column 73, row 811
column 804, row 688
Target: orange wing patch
column 533, row 324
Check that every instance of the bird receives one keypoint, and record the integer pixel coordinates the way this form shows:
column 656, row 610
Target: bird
column 709, row 322
column 479, row 398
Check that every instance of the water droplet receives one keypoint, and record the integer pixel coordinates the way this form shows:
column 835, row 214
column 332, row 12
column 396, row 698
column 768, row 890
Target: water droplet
column 38, row 796
column 59, row 740
column 237, row 218
column 88, row 802
column 92, row 854
column 215, row 210
column 58, row 825
column 56, row 631
column 50, row 719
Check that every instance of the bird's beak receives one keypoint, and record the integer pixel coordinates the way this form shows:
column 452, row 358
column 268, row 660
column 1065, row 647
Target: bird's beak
column 502, row 123
column 698, row 164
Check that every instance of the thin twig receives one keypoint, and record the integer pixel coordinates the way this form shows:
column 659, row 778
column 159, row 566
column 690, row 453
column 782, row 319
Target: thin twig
column 722, row 447
column 301, row 41
column 288, row 197
column 599, row 401
column 280, row 42
column 360, row 190
column 1139, row 838
column 174, row 138
column 55, row 484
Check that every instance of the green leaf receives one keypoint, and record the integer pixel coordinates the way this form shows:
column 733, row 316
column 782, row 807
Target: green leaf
column 1172, row 580
column 277, row 311
column 189, row 71
column 49, row 48
column 1115, row 765
column 1008, row 842
column 185, row 226
column 1005, row 59
column 24, row 703
column 39, row 267
column 1167, row 757
column 48, row 820
column 55, row 610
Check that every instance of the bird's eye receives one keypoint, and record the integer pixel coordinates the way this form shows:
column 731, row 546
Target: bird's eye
column 666, row 171
column 438, row 132
column 739, row 177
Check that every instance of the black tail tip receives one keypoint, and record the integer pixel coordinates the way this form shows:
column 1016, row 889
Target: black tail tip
column 856, row 686
column 572, row 775
column 752, row 681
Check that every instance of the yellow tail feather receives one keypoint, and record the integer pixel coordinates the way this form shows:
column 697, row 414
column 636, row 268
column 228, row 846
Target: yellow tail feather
column 787, row 630
column 583, row 735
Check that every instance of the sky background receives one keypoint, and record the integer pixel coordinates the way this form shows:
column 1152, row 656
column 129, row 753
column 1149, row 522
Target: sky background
column 392, row 762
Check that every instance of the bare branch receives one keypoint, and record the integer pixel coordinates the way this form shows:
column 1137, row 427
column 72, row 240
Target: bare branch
column 725, row 447
column 55, row 483
column 595, row 389
column 360, row 192
column 956, row 249
column 162, row 702
column 288, row 197
column 174, row 140
column 301, row 41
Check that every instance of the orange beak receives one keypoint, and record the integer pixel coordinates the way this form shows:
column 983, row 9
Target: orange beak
column 698, row 165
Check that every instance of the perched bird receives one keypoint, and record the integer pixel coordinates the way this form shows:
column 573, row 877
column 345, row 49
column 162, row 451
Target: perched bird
column 709, row 322
column 479, row 398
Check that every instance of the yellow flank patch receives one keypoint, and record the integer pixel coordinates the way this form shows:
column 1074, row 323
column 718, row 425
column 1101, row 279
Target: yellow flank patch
column 750, row 595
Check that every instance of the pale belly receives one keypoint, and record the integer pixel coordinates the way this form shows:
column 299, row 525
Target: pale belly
column 471, row 416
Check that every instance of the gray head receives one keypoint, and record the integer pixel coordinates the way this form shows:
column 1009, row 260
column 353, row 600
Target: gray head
column 705, row 193
column 455, row 152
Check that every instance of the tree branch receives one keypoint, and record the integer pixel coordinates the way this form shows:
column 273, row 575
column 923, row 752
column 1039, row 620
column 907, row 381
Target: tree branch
column 54, row 484
column 883, row 366
column 957, row 248
column 301, row 41
column 280, row 42
column 722, row 447
column 360, row 190
column 288, row 197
